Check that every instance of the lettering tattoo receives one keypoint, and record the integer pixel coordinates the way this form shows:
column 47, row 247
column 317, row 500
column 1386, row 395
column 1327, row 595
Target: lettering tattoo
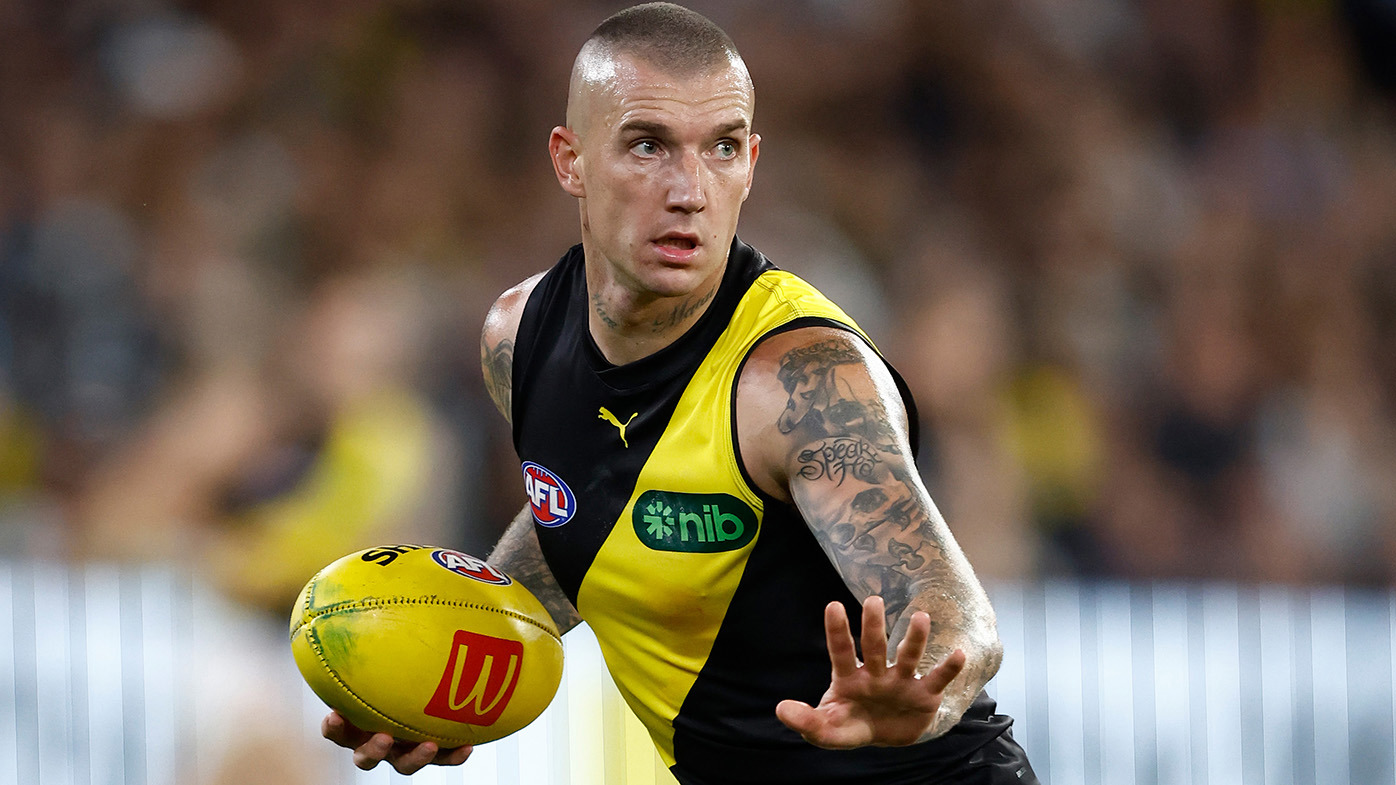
column 681, row 313
column 497, row 363
column 601, row 312
column 837, row 458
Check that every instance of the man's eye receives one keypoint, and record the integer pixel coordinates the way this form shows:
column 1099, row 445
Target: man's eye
column 645, row 147
column 727, row 149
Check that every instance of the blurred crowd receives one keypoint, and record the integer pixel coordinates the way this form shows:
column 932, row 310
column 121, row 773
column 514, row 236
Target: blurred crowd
column 1136, row 259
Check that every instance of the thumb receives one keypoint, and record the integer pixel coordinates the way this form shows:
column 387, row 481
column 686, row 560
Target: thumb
column 797, row 715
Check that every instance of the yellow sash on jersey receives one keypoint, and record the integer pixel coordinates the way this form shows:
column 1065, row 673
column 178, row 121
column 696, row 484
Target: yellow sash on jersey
column 656, row 609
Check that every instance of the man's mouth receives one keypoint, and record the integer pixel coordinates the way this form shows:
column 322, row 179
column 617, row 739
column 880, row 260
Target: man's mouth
column 677, row 248
column 677, row 242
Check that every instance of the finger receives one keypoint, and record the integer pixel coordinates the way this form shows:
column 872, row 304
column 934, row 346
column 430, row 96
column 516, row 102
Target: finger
column 913, row 645
column 453, row 757
column 874, row 635
column 941, row 675
column 372, row 752
column 409, row 759
column 837, row 634
column 340, row 731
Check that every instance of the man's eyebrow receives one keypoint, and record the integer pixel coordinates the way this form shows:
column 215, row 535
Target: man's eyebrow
column 735, row 125
column 646, row 127
column 651, row 128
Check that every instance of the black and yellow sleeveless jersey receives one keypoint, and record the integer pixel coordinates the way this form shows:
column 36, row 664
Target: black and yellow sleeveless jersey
column 706, row 595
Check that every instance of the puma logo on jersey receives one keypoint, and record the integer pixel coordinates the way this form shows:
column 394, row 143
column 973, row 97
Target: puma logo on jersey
column 611, row 418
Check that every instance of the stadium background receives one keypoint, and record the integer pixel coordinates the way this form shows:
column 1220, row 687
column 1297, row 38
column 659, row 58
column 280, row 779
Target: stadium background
column 1136, row 259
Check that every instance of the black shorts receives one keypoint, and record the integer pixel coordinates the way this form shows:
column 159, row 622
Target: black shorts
column 1000, row 762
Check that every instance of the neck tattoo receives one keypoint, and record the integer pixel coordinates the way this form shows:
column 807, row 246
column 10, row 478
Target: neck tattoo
column 601, row 312
column 681, row 312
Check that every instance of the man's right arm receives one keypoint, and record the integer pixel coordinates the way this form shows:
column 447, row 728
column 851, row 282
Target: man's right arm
column 518, row 552
column 519, row 555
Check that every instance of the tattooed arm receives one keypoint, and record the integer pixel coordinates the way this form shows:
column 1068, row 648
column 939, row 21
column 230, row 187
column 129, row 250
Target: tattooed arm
column 517, row 552
column 822, row 425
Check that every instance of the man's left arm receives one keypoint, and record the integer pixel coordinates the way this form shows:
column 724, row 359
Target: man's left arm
column 822, row 425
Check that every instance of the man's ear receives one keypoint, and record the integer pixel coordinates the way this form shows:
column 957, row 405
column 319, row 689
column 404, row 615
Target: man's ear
column 566, row 149
column 753, row 150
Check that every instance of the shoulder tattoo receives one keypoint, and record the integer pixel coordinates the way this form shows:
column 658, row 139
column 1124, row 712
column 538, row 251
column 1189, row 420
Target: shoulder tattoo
column 821, row 402
column 497, row 362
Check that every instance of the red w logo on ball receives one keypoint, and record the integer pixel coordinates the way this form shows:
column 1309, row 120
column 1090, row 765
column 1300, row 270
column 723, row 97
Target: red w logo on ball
column 479, row 679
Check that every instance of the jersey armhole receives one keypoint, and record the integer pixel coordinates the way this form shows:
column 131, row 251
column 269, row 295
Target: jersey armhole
column 525, row 338
column 912, row 418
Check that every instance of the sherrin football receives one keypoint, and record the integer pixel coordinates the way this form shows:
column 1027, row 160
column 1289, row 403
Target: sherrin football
column 426, row 644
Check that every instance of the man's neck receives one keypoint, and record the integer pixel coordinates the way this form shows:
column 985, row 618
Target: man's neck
column 629, row 327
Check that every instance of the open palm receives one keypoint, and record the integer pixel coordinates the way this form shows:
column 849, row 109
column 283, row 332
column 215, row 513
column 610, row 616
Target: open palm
column 872, row 702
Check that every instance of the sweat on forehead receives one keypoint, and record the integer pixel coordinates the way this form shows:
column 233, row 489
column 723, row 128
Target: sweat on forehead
column 598, row 73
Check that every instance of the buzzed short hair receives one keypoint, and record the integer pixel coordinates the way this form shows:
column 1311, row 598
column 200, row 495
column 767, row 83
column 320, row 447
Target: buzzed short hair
column 682, row 40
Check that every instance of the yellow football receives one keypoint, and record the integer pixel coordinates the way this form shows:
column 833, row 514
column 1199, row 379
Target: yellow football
column 426, row 644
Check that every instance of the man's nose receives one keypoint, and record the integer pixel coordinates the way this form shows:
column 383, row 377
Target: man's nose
column 686, row 192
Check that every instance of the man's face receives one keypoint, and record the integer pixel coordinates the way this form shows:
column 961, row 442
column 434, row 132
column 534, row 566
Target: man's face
column 662, row 167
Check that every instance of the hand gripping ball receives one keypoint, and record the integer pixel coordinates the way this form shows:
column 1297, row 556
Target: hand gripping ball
column 426, row 644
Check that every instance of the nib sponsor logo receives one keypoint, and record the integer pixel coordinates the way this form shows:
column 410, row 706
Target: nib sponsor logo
column 693, row 522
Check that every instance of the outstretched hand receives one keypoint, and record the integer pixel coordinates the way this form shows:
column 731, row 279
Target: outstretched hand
column 872, row 702
column 370, row 749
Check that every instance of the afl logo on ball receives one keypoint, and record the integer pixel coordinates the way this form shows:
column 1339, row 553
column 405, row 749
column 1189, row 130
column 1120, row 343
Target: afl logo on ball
column 470, row 567
column 552, row 501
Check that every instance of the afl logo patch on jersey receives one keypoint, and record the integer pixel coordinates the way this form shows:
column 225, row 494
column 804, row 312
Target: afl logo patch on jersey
column 470, row 567
column 552, row 501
